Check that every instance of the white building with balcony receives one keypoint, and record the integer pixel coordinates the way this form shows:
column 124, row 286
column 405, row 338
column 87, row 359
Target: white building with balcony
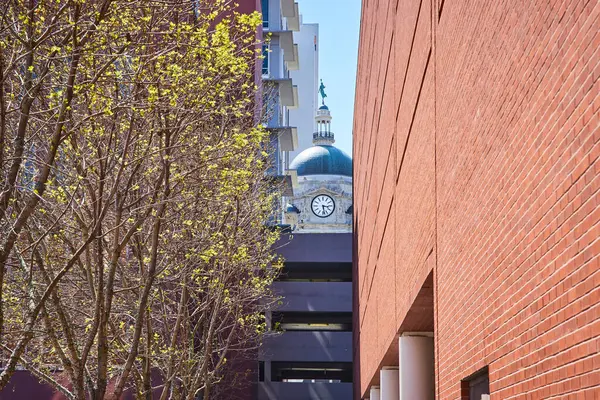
column 312, row 358
column 307, row 80
column 280, row 19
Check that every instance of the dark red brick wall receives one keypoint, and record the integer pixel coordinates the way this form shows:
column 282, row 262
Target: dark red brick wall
column 248, row 6
column 476, row 144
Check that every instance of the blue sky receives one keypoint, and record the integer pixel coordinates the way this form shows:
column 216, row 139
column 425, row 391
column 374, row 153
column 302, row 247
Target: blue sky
column 339, row 23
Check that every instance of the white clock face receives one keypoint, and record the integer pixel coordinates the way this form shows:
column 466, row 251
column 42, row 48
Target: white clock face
column 323, row 206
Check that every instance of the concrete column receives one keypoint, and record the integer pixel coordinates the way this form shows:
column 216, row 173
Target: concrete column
column 375, row 393
column 268, row 318
column 389, row 383
column 267, row 371
column 417, row 368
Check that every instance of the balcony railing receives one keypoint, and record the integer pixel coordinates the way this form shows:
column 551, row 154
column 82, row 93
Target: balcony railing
column 308, row 346
column 303, row 391
column 323, row 135
column 314, row 296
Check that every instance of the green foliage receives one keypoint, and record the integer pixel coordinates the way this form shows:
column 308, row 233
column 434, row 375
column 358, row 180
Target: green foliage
column 139, row 202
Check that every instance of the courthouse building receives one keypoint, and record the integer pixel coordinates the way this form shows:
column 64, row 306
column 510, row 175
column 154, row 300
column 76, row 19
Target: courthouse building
column 476, row 203
column 311, row 358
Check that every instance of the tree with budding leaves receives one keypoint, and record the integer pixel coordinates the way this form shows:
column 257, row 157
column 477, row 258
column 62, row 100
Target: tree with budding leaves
column 134, row 254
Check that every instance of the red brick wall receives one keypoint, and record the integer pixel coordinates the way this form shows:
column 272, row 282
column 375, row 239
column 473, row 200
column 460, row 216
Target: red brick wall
column 476, row 157
column 248, row 6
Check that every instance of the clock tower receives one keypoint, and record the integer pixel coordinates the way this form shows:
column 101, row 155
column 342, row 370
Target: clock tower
column 323, row 201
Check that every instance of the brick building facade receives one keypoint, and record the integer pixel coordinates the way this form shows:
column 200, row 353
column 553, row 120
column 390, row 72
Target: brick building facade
column 476, row 172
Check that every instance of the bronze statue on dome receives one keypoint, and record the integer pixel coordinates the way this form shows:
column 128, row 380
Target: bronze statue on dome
column 322, row 91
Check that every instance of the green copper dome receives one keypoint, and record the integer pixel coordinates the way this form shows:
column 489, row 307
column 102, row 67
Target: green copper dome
column 322, row 160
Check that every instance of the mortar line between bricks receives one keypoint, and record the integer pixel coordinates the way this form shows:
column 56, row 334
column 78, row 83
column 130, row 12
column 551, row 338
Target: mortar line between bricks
column 367, row 146
column 534, row 186
column 379, row 197
column 574, row 361
column 412, row 121
column 434, row 25
column 401, row 162
column 558, row 227
column 557, row 311
column 517, row 312
column 553, row 98
column 375, row 270
column 412, row 45
column 371, row 174
column 406, row 145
